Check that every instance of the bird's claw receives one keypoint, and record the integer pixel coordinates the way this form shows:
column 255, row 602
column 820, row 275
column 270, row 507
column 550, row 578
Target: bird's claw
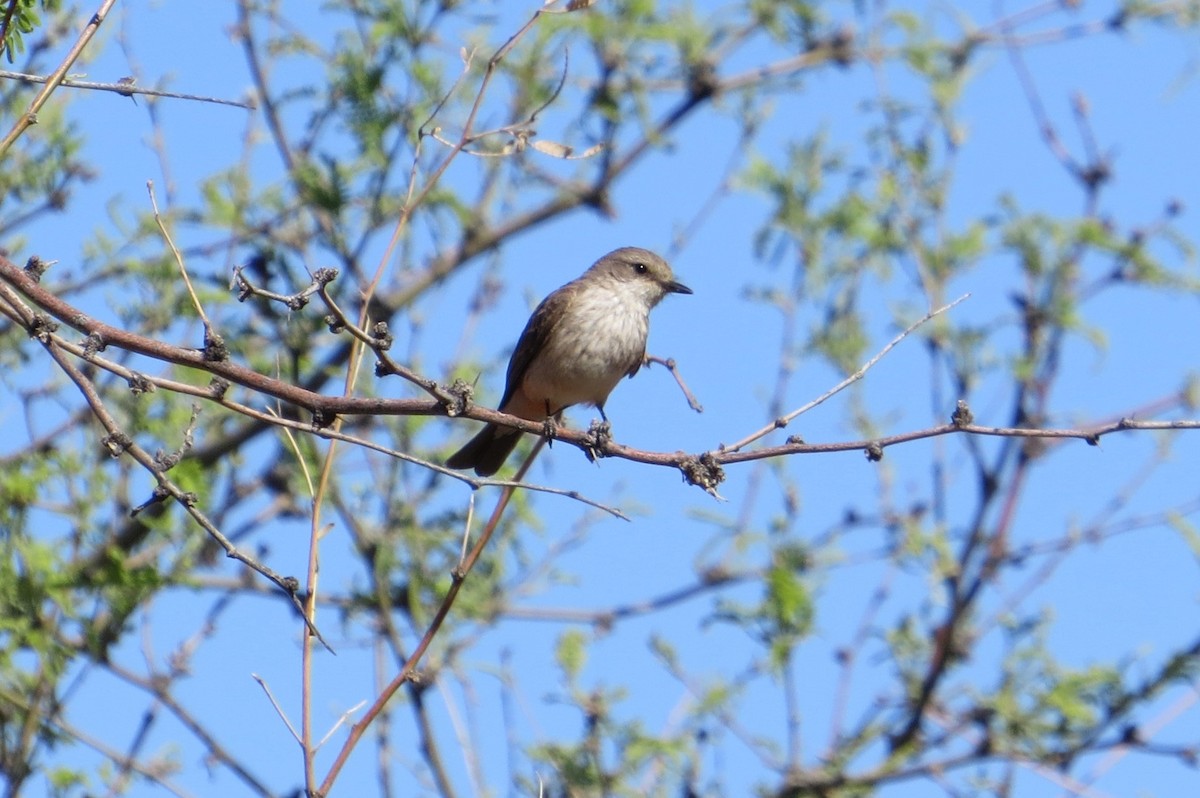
column 550, row 429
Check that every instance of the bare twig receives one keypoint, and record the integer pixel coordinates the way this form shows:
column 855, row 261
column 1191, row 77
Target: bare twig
column 124, row 88
column 669, row 362
column 166, row 234
column 783, row 421
column 278, row 709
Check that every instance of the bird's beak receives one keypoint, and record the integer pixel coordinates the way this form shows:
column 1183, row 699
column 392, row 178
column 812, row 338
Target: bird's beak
column 676, row 288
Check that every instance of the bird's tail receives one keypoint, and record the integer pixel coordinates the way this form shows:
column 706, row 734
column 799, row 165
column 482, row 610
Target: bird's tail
column 487, row 451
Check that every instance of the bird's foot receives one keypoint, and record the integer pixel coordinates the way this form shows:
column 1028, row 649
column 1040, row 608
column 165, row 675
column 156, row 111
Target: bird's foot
column 599, row 434
column 550, row 429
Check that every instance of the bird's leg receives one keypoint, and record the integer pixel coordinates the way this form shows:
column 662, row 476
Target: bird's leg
column 605, row 429
column 550, row 425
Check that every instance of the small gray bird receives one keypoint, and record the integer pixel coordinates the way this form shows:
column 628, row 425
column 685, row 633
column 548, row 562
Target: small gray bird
column 578, row 344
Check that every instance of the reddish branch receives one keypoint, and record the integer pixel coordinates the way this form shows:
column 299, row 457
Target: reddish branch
column 703, row 470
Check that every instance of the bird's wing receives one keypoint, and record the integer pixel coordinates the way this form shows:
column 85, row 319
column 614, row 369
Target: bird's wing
column 637, row 364
column 532, row 340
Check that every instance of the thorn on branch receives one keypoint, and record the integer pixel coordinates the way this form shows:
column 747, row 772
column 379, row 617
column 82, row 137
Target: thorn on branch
column 874, row 452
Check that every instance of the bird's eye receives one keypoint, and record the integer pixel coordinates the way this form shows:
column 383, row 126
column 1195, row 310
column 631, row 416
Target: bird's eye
column 640, row 268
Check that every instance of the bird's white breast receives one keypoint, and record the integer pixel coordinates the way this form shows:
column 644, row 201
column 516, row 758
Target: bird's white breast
column 599, row 338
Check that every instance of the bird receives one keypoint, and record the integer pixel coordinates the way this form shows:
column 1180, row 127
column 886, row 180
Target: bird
column 578, row 344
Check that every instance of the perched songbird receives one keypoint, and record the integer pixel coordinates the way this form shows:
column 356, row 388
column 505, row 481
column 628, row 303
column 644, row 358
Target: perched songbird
column 578, row 344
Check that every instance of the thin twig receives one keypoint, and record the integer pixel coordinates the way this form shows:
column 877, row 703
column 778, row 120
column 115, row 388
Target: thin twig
column 124, row 88
column 187, row 281
column 669, row 362
column 278, row 709
column 783, row 421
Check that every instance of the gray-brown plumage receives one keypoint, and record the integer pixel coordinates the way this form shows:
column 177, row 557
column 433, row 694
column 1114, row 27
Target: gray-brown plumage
column 578, row 344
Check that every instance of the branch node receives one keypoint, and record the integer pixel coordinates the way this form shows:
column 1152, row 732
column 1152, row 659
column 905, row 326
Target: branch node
column 158, row 496
column 457, row 398
column 598, row 436
column 42, row 327
column 35, row 267
column 874, row 452
column 116, row 443
column 323, row 277
column 219, row 386
column 92, row 344
column 139, row 383
column 166, row 462
column 215, row 350
column 383, row 336
column 962, row 415
column 703, row 472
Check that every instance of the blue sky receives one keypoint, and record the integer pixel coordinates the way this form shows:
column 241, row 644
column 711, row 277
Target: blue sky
column 1134, row 594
